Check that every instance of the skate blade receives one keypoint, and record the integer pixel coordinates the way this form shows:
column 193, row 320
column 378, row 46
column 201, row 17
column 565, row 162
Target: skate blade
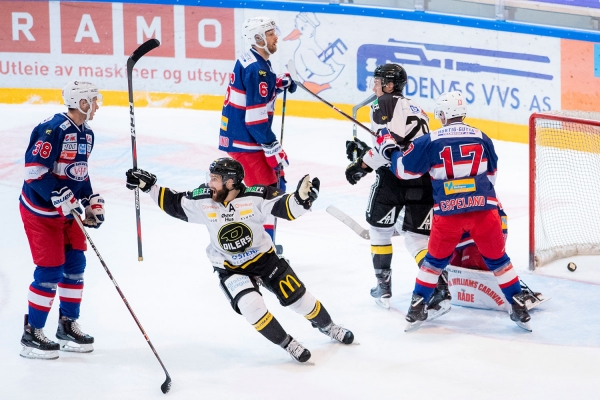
column 531, row 305
column 445, row 308
column 72, row 347
column 36, row 354
column 412, row 326
column 524, row 325
column 383, row 302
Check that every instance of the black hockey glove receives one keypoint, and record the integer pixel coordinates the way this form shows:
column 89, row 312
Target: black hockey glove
column 357, row 146
column 355, row 171
column 307, row 191
column 140, row 178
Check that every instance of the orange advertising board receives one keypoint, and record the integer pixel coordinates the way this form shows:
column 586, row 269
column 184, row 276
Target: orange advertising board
column 86, row 28
column 580, row 87
column 142, row 22
column 24, row 27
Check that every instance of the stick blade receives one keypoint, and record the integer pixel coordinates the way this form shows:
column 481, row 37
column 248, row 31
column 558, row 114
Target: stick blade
column 166, row 386
column 292, row 69
column 143, row 50
column 348, row 221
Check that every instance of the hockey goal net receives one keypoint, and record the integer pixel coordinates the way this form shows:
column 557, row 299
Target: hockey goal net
column 564, row 185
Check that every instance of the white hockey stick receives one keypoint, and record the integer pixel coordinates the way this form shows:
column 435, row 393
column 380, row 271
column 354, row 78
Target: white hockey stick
column 349, row 222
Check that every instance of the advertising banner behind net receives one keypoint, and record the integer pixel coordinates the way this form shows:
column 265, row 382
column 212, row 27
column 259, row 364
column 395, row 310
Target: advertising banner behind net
column 504, row 76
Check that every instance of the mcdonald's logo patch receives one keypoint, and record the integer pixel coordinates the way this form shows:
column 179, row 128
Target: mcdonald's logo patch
column 289, row 282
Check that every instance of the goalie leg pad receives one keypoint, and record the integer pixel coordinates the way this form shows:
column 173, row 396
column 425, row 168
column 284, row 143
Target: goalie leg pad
column 235, row 286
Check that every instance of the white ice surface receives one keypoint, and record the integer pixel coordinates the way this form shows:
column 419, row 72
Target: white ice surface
column 212, row 353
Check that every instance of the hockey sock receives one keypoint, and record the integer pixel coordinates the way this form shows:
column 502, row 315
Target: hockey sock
column 41, row 294
column 382, row 256
column 70, row 287
column 428, row 275
column 270, row 328
column 253, row 308
column 506, row 275
column 312, row 310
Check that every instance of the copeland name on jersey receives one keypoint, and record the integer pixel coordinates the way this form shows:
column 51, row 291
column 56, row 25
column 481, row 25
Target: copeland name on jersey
column 237, row 235
column 57, row 156
column 462, row 165
column 249, row 105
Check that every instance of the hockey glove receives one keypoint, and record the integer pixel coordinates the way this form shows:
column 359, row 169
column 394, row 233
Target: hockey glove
column 307, row 191
column 356, row 148
column 94, row 211
column 386, row 144
column 64, row 200
column 140, row 178
column 285, row 81
column 282, row 181
column 355, row 171
column 275, row 155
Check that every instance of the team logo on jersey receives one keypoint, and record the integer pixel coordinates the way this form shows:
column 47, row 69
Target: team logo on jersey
column 262, row 73
column 65, row 125
column 48, row 131
column 77, row 171
column 70, row 137
column 459, row 186
column 389, row 217
column 235, row 237
column 426, row 224
column 414, row 109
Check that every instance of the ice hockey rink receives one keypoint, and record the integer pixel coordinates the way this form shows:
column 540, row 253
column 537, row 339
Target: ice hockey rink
column 213, row 353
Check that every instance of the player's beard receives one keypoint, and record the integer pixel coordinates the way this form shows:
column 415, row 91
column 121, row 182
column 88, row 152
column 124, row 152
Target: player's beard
column 219, row 196
column 272, row 48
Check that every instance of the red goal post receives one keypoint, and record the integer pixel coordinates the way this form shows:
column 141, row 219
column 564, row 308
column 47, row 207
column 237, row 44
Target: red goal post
column 564, row 185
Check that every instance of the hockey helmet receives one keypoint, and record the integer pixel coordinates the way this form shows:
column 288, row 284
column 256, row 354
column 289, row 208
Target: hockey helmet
column 228, row 168
column 256, row 28
column 75, row 91
column 452, row 104
column 391, row 73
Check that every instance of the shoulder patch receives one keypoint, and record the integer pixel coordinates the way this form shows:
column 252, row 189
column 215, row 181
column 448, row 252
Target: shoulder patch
column 199, row 193
column 257, row 190
column 65, row 125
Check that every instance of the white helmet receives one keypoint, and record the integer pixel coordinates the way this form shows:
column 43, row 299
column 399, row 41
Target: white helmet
column 452, row 104
column 257, row 26
column 75, row 91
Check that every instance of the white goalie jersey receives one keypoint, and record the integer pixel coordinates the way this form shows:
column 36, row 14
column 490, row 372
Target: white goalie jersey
column 237, row 235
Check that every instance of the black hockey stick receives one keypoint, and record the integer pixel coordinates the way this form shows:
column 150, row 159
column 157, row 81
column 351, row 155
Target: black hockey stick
column 278, row 247
column 294, row 74
column 166, row 386
column 133, row 58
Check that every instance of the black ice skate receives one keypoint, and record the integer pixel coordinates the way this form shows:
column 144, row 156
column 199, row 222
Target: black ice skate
column 519, row 313
column 383, row 291
column 439, row 304
column 36, row 345
column 532, row 299
column 297, row 351
column 71, row 338
column 338, row 333
column 417, row 313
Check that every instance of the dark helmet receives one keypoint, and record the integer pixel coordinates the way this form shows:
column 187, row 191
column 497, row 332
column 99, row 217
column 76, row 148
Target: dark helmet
column 391, row 73
column 228, row 168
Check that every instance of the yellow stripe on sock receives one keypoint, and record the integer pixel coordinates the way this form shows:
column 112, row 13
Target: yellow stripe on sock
column 264, row 321
column 420, row 257
column 315, row 311
column 386, row 249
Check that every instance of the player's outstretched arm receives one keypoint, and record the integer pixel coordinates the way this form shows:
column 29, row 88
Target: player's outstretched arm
column 291, row 206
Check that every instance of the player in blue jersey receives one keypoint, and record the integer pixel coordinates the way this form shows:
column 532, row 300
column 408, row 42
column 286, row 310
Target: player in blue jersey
column 57, row 183
column 247, row 116
column 462, row 163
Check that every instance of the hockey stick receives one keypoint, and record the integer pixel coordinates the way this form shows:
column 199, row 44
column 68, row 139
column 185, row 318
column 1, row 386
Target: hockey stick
column 278, row 247
column 355, row 109
column 133, row 58
column 166, row 386
column 349, row 222
column 294, row 74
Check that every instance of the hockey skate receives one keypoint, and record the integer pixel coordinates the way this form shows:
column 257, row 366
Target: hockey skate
column 338, row 333
column 71, row 338
column 532, row 299
column 297, row 351
column 439, row 304
column 417, row 313
column 518, row 312
column 383, row 291
column 36, row 345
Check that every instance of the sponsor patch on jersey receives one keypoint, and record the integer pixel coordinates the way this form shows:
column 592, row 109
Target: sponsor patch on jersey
column 246, row 214
column 82, row 148
column 459, row 186
column 255, row 189
column 65, row 125
column 89, row 148
column 262, row 73
column 48, row 131
column 235, row 237
column 68, row 155
column 200, row 191
column 224, row 122
column 70, row 137
column 69, row 146
column 88, row 138
column 77, row 171
column 414, row 109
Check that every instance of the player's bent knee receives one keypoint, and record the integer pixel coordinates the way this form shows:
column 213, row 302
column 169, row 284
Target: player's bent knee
column 252, row 306
column 235, row 287
column 381, row 236
column 304, row 304
column 47, row 276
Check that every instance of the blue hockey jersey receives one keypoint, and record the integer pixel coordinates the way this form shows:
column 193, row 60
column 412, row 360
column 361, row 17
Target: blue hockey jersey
column 57, row 156
column 462, row 163
column 249, row 105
